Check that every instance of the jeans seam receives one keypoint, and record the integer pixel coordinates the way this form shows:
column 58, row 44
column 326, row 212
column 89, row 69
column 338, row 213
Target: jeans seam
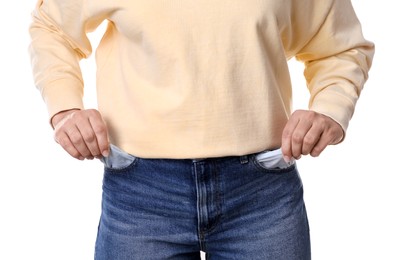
column 205, row 228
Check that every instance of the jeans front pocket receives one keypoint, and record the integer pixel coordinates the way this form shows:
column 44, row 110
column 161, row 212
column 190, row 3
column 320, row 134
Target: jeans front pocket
column 273, row 161
column 118, row 160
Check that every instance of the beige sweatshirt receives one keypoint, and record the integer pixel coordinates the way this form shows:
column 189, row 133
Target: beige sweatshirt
column 200, row 78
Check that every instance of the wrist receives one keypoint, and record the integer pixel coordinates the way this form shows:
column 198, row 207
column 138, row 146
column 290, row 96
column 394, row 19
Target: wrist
column 61, row 115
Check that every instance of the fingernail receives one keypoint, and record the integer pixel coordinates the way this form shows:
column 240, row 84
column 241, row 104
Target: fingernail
column 81, row 158
column 287, row 159
column 105, row 153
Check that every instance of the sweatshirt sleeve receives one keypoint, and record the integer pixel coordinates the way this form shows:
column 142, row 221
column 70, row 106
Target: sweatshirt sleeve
column 336, row 56
column 58, row 43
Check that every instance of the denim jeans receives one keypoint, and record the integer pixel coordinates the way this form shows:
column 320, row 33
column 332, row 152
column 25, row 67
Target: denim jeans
column 229, row 207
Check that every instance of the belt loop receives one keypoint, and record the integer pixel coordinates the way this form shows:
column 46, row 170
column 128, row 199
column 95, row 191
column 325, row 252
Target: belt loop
column 244, row 159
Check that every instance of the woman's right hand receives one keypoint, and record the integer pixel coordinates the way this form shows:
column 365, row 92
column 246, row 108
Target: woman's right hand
column 81, row 133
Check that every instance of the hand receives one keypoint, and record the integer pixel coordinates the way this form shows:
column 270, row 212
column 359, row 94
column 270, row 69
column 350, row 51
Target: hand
column 82, row 133
column 308, row 132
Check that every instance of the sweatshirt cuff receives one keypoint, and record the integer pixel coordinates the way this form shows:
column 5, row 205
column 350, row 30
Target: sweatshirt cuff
column 62, row 94
column 337, row 106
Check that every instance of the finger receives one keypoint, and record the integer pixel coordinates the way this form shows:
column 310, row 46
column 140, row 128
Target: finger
column 329, row 136
column 286, row 138
column 297, row 138
column 76, row 137
column 101, row 134
column 63, row 140
column 89, row 138
column 311, row 139
column 318, row 148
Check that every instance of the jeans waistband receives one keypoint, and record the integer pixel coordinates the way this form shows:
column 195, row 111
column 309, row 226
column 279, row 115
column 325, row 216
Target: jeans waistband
column 243, row 159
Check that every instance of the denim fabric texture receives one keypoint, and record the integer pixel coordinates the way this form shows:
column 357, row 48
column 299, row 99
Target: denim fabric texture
column 229, row 207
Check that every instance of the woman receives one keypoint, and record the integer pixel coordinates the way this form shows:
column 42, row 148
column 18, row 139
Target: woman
column 194, row 123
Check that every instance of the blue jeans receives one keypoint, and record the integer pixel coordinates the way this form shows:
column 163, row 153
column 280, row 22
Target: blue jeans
column 230, row 207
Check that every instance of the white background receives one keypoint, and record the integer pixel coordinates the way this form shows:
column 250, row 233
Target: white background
column 354, row 192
